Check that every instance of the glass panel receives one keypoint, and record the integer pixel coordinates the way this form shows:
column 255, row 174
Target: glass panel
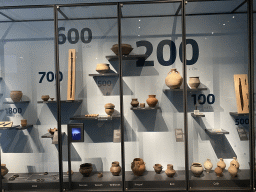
column 153, row 112
column 27, row 73
column 84, row 47
column 218, row 121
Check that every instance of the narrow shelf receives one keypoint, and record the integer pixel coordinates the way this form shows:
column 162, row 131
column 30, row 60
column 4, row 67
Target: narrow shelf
column 47, row 135
column 11, row 102
column 144, row 108
column 216, row 131
column 18, row 127
column 126, row 57
column 105, row 75
column 63, row 101
column 198, row 89
column 238, row 114
column 99, row 118
column 200, row 115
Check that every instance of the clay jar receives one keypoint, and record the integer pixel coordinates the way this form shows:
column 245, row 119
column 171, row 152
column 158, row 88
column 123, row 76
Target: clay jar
column 138, row 166
column 126, row 49
column 45, row 97
column 158, row 168
column 135, row 102
column 173, row 80
column 115, row 169
column 208, row 165
column 193, row 82
column 23, row 122
column 109, row 109
column 197, row 169
column 85, row 169
column 221, row 164
column 170, row 172
column 16, row 96
column 152, row 101
column 102, row 68
column 4, row 170
column 218, row 171
column 233, row 171
column 235, row 163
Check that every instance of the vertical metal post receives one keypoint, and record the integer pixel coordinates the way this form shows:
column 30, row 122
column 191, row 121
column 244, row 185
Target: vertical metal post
column 184, row 61
column 251, row 89
column 69, row 164
column 56, row 51
column 119, row 14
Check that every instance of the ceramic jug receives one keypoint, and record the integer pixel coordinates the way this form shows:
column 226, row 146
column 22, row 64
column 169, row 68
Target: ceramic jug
column 173, row 80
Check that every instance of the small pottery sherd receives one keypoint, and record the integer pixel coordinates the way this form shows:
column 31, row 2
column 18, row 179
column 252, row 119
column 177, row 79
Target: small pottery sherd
column 221, row 164
column 233, row 171
column 52, row 130
column 85, row 169
column 16, row 96
column 126, row 49
column 193, row 82
column 135, row 102
column 170, row 172
column 197, row 169
column 235, row 163
column 158, row 168
column 218, row 171
column 152, row 101
column 115, row 169
column 102, row 68
column 142, row 105
column 45, row 97
column 23, row 122
column 4, row 170
column 208, row 165
column 138, row 166
column 109, row 108
column 173, row 80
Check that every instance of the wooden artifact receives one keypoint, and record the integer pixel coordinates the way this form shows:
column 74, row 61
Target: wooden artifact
column 71, row 74
column 241, row 90
column 6, row 123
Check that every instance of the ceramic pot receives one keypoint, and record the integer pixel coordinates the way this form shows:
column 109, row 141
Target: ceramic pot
column 102, row 68
column 193, row 82
column 170, row 172
column 158, row 168
column 173, row 80
column 221, row 164
column 135, row 102
column 126, row 49
column 115, row 169
column 142, row 105
column 235, row 163
column 45, row 97
column 152, row 101
column 16, row 95
column 197, row 169
column 138, row 166
column 85, row 169
column 4, row 170
column 233, row 171
column 109, row 109
column 218, row 171
column 52, row 130
column 23, row 122
column 208, row 165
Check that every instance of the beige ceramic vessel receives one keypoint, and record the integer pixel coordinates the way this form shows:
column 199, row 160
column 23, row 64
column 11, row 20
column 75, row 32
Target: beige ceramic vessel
column 138, row 166
column 4, row 170
column 235, row 163
column 221, row 164
column 218, row 171
column 126, row 49
column 16, row 96
column 142, row 105
column 135, row 102
column 109, row 109
column 102, row 68
column 208, row 165
column 197, row 169
column 115, row 169
column 233, row 171
column 152, row 101
column 45, row 97
column 173, row 80
column 158, row 168
column 193, row 82
column 170, row 172
column 23, row 122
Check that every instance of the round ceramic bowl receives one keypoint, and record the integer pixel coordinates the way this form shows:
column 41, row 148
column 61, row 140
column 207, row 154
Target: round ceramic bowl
column 45, row 97
column 102, row 68
column 126, row 49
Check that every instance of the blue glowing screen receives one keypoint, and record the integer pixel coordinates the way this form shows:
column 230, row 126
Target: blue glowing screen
column 76, row 133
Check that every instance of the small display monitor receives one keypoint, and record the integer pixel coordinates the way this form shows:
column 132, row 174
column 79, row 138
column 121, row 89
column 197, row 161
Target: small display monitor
column 76, row 132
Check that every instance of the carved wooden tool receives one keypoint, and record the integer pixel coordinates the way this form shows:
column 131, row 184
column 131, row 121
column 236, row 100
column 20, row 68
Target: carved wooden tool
column 242, row 95
column 71, row 74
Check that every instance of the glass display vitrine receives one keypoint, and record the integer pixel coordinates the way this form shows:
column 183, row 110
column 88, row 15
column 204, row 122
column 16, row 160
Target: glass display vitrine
column 219, row 136
column 90, row 76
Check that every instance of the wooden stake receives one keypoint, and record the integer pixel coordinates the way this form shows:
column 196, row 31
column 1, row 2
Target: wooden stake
column 71, row 74
column 242, row 95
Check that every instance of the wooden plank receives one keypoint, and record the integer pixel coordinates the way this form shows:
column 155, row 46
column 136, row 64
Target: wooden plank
column 71, row 74
column 242, row 95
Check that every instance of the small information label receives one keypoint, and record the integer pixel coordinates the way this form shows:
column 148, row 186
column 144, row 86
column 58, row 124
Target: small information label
column 172, row 183
column 114, row 185
column 216, row 183
column 83, row 185
column 138, row 184
column 34, row 185
column 98, row 185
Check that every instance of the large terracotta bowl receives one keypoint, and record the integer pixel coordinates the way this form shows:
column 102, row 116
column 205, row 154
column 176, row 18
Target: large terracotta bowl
column 16, row 95
column 126, row 49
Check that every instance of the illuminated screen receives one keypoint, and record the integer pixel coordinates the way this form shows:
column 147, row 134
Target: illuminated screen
column 76, row 133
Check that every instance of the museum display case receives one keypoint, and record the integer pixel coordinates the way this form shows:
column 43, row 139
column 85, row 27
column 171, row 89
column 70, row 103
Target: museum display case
column 107, row 97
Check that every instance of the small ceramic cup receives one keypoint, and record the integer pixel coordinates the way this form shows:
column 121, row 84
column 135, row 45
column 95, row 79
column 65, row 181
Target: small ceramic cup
column 142, row 105
column 23, row 122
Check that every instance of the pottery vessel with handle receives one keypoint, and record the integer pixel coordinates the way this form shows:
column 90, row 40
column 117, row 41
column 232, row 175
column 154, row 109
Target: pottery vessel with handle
column 173, row 79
